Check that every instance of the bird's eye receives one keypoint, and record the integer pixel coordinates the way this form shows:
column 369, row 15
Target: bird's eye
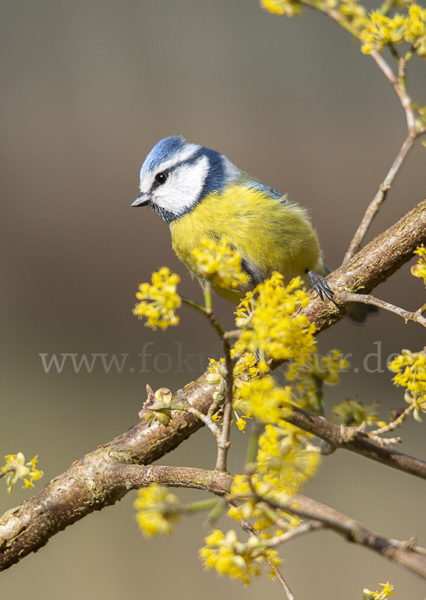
column 161, row 178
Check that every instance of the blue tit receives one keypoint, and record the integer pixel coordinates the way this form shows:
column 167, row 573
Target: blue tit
column 200, row 193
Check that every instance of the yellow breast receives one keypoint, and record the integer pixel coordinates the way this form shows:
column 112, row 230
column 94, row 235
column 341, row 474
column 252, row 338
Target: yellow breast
column 268, row 234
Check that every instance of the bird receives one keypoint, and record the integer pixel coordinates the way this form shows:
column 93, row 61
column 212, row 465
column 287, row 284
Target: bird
column 200, row 193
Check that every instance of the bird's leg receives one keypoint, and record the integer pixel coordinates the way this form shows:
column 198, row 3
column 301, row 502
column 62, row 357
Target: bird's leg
column 319, row 284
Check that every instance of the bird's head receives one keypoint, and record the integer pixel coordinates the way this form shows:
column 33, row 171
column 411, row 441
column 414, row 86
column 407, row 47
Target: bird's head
column 177, row 175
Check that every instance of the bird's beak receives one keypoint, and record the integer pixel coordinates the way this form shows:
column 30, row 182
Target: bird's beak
column 142, row 200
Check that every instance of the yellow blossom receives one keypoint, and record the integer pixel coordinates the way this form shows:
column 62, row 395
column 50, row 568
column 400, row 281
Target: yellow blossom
column 241, row 490
column 419, row 270
column 416, row 29
column 271, row 324
column 264, row 400
column 241, row 424
column 236, row 559
column 324, row 367
column 352, row 413
column 157, row 510
column 383, row 595
column 220, row 264
column 16, row 468
column 290, row 8
column 283, row 458
column 410, row 369
column 159, row 301
column 355, row 13
column 382, row 30
column 307, row 377
column 244, row 370
column 245, row 506
column 420, row 123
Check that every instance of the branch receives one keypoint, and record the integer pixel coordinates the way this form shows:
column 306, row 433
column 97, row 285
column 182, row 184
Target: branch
column 372, row 265
column 398, row 85
column 367, row 299
column 100, row 479
column 351, row 439
column 399, row 552
column 97, row 480
column 378, row 199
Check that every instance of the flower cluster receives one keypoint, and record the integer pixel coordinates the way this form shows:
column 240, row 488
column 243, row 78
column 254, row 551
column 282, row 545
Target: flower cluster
column 420, row 121
column 244, row 371
column 247, row 507
column 383, row 30
column 352, row 413
column 410, row 369
column 419, row 270
column 355, row 13
column 264, row 400
column 383, row 595
column 16, row 468
column 284, row 459
column 237, row 559
column 157, row 510
column 307, row 377
column 219, row 263
column 323, row 367
column 271, row 324
column 291, row 8
column 159, row 301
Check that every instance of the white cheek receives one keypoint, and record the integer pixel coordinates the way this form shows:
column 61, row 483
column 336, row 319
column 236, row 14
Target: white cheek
column 183, row 188
column 185, row 153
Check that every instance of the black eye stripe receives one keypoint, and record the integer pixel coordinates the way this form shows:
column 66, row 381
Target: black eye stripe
column 159, row 179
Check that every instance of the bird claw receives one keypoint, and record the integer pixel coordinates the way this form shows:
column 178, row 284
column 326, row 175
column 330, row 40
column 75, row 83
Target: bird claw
column 319, row 284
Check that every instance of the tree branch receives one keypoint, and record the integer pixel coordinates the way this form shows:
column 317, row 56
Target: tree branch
column 367, row 299
column 97, row 480
column 350, row 439
column 399, row 552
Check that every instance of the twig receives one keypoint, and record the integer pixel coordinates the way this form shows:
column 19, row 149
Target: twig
column 350, row 438
column 352, row 530
column 206, row 419
column 398, row 84
column 377, row 201
column 367, row 299
column 224, row 443
column 394, row 424
column 306, row 527
column 372, row 265
column 250, row 529
column 281, row 581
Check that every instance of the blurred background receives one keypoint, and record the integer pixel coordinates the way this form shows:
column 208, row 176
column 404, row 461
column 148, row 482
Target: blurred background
column 87, row 89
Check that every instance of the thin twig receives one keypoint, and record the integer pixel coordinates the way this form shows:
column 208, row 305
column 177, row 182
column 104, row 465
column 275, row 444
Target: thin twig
column 224, row 443
column 307, row 527
column 248, row 527
column 281, row 580
column 398, row 84
column 350, row 438
column 394, row 424
column 352, row 530
column 206, row 419
column 378, row 200
column 367, row 299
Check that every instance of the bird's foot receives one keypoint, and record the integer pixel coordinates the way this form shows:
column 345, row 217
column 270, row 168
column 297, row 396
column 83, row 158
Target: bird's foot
column 319, row 284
